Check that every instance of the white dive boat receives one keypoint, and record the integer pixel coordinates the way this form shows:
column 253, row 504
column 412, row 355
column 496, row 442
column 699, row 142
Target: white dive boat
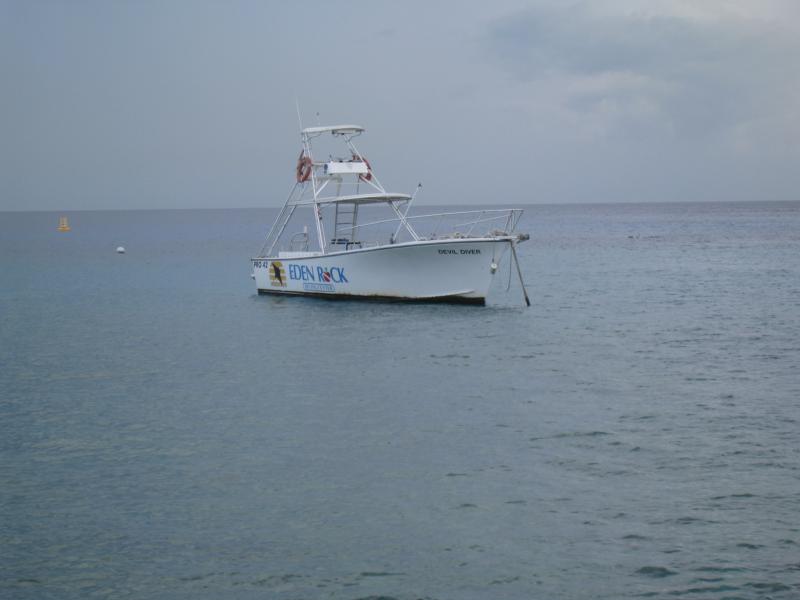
column 393, row 256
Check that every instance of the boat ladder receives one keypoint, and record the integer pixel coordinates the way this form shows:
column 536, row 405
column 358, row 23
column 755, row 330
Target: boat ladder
column 343, row 220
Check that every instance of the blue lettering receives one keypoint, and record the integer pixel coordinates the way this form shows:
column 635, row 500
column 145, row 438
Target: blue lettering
column 323, row 274
column 301, row 272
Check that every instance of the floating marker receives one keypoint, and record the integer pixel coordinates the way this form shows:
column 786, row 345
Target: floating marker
column 120, row 250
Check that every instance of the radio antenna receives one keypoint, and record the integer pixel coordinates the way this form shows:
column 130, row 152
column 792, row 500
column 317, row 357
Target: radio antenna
column 297, row 106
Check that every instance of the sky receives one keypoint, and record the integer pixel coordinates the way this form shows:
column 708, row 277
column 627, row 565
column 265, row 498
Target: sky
column 191, row 104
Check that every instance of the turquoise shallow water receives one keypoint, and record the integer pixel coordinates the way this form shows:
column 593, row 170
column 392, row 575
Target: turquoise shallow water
column 167, row 433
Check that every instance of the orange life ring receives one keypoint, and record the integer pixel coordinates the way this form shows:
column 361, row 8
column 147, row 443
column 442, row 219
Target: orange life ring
column 364, row 176
column 304, row 166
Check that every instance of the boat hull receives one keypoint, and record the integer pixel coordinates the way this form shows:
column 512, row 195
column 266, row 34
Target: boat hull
column 457, row 270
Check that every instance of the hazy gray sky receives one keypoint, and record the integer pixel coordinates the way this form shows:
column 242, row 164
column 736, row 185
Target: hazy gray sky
column 191, row 104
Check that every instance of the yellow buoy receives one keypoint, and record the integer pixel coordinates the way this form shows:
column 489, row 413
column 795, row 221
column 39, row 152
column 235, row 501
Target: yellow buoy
column 63, row 224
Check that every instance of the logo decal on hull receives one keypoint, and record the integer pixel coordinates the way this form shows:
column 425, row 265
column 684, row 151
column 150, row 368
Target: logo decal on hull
column 277, row 274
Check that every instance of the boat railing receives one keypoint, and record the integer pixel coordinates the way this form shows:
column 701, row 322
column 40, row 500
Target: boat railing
column 430, row 226
column 499, row 221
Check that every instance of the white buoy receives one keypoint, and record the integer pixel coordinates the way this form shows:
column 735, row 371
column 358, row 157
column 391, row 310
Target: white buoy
column 120, row 250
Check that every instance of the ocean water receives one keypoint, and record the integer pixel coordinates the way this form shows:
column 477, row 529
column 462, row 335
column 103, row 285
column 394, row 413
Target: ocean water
column 167, row 433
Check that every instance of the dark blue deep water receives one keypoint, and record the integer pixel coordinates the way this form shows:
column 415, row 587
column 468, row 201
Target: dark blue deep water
column 167, row 433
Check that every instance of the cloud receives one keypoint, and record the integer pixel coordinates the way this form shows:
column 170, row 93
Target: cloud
column 690, row 74
column 192, row 103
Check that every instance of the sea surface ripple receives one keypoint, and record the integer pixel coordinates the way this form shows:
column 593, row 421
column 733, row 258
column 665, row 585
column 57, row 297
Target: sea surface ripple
column 167, row 433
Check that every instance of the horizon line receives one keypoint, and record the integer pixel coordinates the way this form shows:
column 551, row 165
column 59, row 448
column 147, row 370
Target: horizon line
column 508, row 205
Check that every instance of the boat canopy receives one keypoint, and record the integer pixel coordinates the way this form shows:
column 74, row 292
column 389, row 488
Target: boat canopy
column 334, row 129
column 363, row 198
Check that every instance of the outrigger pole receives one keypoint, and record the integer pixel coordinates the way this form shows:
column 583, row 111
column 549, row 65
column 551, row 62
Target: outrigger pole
column 519, row 272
